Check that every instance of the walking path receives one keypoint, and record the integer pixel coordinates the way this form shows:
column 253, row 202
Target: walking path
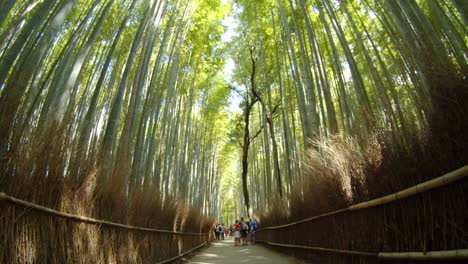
column 224, row 251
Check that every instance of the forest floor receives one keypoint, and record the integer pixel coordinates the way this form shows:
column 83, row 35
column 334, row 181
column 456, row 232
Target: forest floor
column 224, row 251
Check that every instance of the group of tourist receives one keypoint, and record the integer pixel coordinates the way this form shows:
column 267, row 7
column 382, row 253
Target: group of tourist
column 243, row 231
column 221, row 231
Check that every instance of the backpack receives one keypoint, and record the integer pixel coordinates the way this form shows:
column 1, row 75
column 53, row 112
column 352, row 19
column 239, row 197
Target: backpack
column 254, row 225
column 220, row 229
column 244, row 226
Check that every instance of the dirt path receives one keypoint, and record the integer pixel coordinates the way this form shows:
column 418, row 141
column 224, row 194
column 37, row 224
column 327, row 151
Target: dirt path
column 224, row 251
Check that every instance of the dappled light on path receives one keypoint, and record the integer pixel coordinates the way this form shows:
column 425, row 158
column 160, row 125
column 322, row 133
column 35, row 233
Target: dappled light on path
column 225, row 252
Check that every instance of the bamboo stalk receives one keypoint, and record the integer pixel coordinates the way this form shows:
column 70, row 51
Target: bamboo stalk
column 443, row 180
column 13, row 200
column 431, row 255
column 418, row 188
column 305, row 220
column 340, row 251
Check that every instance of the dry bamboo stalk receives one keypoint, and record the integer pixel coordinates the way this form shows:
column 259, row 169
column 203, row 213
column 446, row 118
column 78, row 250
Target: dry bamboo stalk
column 305, row 220
column 13, row 200
column 419, row 188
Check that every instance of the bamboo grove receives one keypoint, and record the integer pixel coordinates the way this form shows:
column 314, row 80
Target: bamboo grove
column 126, row 83
column 369, row 73
column 119, row 110
column 109, row 109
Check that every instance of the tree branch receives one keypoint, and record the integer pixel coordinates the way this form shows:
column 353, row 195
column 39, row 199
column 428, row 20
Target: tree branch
column 240, row 143
column 275, row 108
column 232, row 88
column 256, row 134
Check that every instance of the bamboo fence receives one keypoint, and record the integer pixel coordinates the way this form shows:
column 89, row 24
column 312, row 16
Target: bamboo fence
column 200, row 239
column 357, row 226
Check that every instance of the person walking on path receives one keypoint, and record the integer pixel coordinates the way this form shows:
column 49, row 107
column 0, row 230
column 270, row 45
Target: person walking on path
column 222, row 231
column 237, row 233
column 215, row 230
column 244, row 228
column 253, row 227
column 231, row 230
column 226, row 232
column 219, row 231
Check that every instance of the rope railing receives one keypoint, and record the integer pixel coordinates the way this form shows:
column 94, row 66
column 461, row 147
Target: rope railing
column 79, row 218
column 446, row 179
column 332, row 250
column 429, row 255
column 411, row 191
